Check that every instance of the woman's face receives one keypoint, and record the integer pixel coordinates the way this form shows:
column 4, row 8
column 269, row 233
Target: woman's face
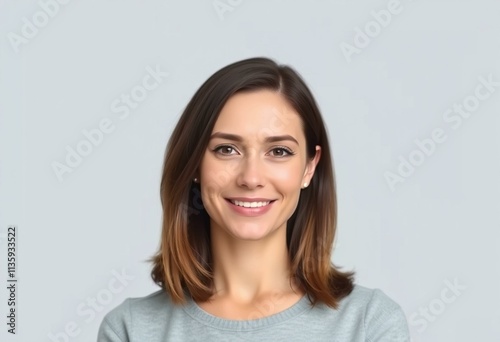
column 255, row 165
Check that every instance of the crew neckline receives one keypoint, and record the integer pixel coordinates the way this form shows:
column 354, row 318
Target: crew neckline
column 195, row 311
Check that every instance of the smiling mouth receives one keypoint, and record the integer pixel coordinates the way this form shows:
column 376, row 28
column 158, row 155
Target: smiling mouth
column 250, row 204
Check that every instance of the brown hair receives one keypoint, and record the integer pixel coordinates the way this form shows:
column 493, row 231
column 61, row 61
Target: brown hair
column 183, row 264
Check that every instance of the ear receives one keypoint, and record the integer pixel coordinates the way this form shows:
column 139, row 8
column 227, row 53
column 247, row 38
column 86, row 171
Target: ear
column 311, row 166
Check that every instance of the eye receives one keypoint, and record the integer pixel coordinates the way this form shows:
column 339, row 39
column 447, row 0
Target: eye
column 224, row 148
column 282, row 151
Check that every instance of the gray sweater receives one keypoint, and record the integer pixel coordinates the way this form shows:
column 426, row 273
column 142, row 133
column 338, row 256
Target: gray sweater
column 367, row 315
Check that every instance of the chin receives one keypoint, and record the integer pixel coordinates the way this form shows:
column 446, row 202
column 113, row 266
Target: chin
column 252, row 233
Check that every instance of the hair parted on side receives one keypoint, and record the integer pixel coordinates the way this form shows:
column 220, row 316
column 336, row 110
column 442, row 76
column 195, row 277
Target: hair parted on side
column 183, row 263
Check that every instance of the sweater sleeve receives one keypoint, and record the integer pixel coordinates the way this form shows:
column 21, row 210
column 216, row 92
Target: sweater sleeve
column 113, row 327
column 385, row 320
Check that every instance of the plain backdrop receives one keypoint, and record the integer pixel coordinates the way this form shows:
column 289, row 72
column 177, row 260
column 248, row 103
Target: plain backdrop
column 409, row 91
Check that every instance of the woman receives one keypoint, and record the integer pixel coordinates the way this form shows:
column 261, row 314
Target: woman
column 249, row 218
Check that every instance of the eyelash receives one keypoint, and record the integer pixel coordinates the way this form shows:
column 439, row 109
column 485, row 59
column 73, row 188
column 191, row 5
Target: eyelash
column 286, row 149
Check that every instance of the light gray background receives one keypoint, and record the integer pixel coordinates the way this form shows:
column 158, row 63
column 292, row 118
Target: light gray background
column 439, row 226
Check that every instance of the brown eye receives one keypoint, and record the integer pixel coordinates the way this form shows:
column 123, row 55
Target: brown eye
column 224, row 150
column 282, row 152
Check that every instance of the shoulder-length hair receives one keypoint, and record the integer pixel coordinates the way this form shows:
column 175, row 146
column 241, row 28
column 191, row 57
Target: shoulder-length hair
column 183, row 263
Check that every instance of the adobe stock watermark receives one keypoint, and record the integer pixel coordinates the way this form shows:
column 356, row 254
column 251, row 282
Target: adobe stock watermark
column 31, row 27
column 223, row 6
column 428, row 314
column 87, row 310
column 121, row 108
column 455, row 116
column 365, row 34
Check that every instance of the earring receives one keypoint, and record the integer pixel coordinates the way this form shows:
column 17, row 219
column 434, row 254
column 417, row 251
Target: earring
column 195, row 180
column 305, row 186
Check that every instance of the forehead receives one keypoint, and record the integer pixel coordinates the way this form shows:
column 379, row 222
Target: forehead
column 258, row 114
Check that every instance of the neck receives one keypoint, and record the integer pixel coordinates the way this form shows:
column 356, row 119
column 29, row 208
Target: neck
column 246, row 270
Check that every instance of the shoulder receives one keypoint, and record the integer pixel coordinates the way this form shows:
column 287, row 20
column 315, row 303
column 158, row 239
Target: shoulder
column 366, row 312
column 117, row 323
column 369, row 298
column 382, row 318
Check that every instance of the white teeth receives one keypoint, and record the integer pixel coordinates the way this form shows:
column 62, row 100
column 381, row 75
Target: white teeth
column 250, row 204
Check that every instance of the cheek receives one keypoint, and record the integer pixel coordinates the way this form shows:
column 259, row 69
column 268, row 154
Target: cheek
column 216, row 175
column 290, row 172
column 210, row 198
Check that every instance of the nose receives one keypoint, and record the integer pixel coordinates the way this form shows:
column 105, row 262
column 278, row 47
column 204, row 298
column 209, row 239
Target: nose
column 251, row 173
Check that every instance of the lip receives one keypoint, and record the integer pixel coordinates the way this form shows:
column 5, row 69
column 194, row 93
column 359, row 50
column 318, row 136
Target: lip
column 250, row 211
column 250, row 199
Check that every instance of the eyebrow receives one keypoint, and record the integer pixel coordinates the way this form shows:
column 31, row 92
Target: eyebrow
column 237, row 138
